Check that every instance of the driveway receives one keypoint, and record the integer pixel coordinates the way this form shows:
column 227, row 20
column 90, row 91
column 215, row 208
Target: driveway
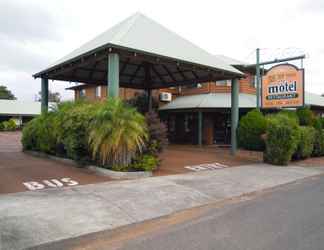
column 21, row 172
column 28, row 219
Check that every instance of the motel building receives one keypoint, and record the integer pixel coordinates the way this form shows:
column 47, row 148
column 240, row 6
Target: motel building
column 200, row 112
column 201, row 96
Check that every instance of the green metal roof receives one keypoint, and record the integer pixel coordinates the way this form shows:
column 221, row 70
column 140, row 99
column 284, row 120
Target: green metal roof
column 20, row 108
column 155, row 43
column 223, row 100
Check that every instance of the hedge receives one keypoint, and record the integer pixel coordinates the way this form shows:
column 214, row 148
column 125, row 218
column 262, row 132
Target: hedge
column 94, row 132
column 306, row 142
column 251, row 128
column 282, row 138
column 306, row 116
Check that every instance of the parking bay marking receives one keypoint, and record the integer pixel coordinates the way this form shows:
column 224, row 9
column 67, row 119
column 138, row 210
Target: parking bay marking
column 207, row 166
column 52, row 183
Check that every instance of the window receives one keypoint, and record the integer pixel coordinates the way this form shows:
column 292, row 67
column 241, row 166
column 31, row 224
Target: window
column 98, row 91
column 223, row 83
column 82, row 93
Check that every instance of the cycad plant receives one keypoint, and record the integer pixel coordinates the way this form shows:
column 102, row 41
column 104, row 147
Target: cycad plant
column 117, row 133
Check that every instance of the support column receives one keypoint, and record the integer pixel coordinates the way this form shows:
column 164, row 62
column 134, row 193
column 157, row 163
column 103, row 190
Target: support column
column 44, row 96
column 149, row 100
column 113, row 75
column 234, row 114
column 258, row 78
column 200, row 125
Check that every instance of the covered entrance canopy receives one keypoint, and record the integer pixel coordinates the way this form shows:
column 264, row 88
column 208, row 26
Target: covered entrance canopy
column 138, row 53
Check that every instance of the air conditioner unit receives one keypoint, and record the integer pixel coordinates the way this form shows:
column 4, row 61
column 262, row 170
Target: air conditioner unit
column 165, row 97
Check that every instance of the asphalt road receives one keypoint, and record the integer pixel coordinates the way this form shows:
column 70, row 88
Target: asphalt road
column 289, row 217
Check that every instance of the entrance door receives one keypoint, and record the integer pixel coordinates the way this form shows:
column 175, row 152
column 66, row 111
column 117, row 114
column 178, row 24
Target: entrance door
column 221, row 128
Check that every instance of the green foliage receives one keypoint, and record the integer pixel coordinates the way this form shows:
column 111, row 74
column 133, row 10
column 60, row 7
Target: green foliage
column 319, row 143
column 306, row 143
column 6, row 93
column 108, row 132
column 140, row 102
column 252, row 126
column 52, row 96
column 291, row 114
column 318, row 123
column 9, row 125
column 39, row 134
column 145, row 163
column 117, row 132
column 158, row 138
column 282, row 137
column 306, row 116
column 71, row 125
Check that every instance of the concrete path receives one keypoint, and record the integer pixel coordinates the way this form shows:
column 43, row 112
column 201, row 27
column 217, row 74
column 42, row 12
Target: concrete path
column 31, row 218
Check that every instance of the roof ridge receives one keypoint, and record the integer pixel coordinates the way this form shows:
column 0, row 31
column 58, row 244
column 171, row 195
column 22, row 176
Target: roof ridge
column 119, row 35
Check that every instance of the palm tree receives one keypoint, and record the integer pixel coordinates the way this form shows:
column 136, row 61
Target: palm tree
column 117, row 133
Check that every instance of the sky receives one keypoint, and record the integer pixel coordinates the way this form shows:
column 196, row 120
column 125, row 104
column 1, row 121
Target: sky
column 36, row 33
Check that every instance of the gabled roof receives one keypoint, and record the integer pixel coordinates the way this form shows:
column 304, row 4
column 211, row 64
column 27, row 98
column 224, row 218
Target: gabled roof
column 240, row 65
column 21, row 108
column 223, row 100
column 140, row 34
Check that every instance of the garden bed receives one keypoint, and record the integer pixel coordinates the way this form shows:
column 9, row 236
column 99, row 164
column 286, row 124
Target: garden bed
column 99, row 170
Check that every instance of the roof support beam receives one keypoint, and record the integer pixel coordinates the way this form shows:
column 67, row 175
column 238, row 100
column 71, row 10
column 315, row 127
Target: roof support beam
column 234, row 114
column 182, row 74
column 158, row 74
column 93, row 69
column 169, row 73
column 113, row 75
column 135, row 73
column 44, row 96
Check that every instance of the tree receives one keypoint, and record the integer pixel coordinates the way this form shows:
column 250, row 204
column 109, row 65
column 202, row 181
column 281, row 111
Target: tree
column 52, row 96
column 6, row 93
column 117, row 133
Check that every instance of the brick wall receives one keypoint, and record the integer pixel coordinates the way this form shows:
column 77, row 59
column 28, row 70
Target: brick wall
column 246, row 86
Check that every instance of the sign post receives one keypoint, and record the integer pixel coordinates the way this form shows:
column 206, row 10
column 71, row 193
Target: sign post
column 258, row 78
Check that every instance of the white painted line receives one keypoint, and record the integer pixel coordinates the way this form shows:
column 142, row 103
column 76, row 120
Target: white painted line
column 207, row 166
column 52, row 183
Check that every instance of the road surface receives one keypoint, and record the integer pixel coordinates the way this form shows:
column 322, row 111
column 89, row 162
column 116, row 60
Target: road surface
column 289, row 217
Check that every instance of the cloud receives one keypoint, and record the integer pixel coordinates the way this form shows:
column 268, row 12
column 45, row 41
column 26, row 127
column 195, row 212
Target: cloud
column 25, row 21
column 313, row 5
column 19, row 57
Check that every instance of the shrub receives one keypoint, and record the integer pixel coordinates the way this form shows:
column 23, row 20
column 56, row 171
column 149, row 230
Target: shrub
column 291, row 114
column 145, row 163
column 306, row 116
column 140, row 102
column 157, row 130
column 318, row 143
column 282, row 137
column 251, row 127
column 29, row 137
column 117, row 133
column 39, row 134
column 1, row 126
column 9, row 125
column 318, row 123
column 306, row 143
column 71, row 125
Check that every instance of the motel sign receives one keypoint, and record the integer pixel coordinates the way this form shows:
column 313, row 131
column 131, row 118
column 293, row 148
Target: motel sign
column 283, row 86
